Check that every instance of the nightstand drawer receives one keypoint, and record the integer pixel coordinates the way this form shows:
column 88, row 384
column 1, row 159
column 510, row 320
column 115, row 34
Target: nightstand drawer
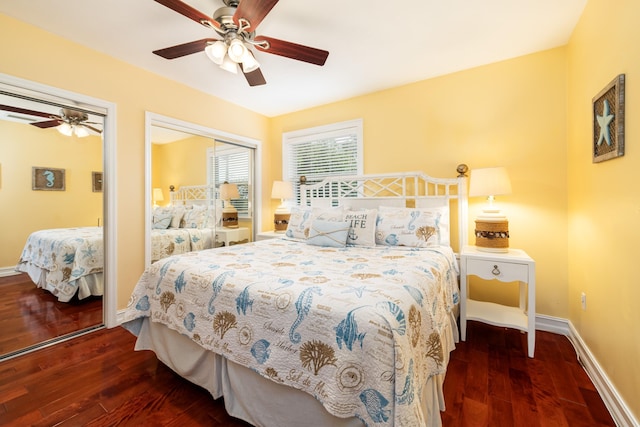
column 503, row 271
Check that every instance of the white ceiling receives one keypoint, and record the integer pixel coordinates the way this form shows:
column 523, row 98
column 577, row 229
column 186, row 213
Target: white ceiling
column 373, row 44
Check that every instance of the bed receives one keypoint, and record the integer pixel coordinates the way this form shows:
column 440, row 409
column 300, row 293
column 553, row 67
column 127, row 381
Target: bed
column 348, row 319
column 69, row 261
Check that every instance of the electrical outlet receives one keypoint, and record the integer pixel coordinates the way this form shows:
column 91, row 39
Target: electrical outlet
column 583, row 300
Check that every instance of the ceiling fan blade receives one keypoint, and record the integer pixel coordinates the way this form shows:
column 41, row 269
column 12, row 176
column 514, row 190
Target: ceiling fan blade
column 96, row 130
column 190, row 12
column 255, row 77
column 253, row 11
column 184, row 49
column 27, row 112
column 47, row 124
column 293, row 50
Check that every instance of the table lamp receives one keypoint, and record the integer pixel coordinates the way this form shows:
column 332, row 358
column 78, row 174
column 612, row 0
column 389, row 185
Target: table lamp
column 157, row 196
column 229, row 212
column 281, row 190
column 492, row 226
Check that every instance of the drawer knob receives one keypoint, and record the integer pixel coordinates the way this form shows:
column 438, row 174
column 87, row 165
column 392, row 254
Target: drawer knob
column 495, row 271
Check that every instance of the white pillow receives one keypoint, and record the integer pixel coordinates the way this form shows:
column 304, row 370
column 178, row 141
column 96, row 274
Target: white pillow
column 196, row 217
column 362, row 227
column 412, row 227
column 301, row 217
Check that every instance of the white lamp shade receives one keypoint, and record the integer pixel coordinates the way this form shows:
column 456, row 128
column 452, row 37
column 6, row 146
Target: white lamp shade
column 158, row 196
column 489, row 182
column 65, row 129
column 282, row 190
column 229, row 191
column 237, row 50
column 249, row 63
column 216, row 51
column 229, row 65
column 81, row 131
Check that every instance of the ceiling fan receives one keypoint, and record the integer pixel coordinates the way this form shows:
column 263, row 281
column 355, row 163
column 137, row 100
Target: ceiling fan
column 68, row 122
column 236, row 24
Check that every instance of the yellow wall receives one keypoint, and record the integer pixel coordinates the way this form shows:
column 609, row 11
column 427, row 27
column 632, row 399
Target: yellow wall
column 66, row 65
column 23, row 210
column 604, row 206
column 510, row 114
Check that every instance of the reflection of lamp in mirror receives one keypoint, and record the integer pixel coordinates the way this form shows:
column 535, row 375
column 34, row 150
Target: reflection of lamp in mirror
column 157, row 196
column 281, row 190
column 492, row 227
column 229, row 212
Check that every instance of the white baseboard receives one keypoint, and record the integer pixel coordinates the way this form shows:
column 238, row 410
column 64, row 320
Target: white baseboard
column 8, row 271
column 616, row 405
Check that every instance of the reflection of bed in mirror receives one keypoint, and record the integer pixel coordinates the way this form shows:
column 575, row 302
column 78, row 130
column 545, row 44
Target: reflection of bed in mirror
column 69, row 261
column 307, row 330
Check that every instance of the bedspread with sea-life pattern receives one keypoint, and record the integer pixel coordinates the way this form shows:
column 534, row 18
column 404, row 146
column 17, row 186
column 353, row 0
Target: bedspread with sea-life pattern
column 361, row 329
column 66, row 255
column 174, row 241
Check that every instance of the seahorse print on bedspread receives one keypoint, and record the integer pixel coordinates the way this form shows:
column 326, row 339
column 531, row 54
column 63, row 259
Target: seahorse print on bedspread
column 163, row 272
column 303, row 305
column 217, row 284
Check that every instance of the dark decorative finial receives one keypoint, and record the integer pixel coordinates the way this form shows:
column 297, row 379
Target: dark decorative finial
column 462, row 170
column 303, row 180
column 172, row 188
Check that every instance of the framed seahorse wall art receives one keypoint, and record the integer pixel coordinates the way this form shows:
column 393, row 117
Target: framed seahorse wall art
column 608, row 121
column 48, row 179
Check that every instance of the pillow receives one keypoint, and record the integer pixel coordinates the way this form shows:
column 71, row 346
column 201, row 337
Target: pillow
column 301, row 218
column 298, row 222
column 196, row 217
column 412, row 227
column 328, row 233
column 177, row 213
column 161, row 219
column 362, row 227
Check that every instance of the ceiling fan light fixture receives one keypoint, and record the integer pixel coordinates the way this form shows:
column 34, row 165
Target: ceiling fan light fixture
column 229, row 65
column 249, row 62
column 65, row 129
column 216, row 51
column 237, row 50
column 80, row 131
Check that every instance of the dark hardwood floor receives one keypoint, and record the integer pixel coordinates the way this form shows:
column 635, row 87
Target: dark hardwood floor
column 98, row 380
column 30, row 315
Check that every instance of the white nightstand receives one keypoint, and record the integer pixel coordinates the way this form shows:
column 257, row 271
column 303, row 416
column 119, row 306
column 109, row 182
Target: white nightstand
column 512, row 266
column 264, row 235
column 232, row 236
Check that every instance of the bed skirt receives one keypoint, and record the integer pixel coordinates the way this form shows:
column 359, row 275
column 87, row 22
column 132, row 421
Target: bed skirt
column 249, row 396
column 91, row 284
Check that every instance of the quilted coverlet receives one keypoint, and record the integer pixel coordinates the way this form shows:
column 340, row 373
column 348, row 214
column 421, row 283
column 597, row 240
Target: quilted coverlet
column 361, row 329
column 66, row 255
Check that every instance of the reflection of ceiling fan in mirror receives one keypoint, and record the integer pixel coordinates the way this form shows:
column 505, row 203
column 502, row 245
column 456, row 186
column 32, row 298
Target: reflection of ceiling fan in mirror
column 236, row 23
column 69, row 122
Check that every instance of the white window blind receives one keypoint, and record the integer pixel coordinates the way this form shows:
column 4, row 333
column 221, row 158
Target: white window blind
column 233, row 165
column 320, row 152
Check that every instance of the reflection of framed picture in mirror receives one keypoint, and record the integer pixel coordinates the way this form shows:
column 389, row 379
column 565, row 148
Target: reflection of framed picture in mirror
column 96, row 180
column 50, row 179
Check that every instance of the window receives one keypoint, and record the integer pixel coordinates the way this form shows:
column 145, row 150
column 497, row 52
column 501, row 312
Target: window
column 233, row 164
column 323, row 151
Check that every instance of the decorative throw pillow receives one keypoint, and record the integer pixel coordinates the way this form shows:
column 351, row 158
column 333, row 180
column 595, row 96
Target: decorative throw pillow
column 362, row 223
column 177, row 215
column 301, row 218
column 161, row 219
column 328, row 233
column 411, row 227
column 196, row 217
column 298, row 222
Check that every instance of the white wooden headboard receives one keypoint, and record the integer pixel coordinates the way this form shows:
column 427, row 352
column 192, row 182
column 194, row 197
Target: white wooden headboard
column 194, row 195
column 408, row 189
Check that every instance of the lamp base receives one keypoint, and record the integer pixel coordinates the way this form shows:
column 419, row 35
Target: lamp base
column 280, row 222
column 492, row 236
column 230, row 219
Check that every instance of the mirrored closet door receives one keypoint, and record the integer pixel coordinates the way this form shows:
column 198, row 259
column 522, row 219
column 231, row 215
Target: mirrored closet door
column 52, row 184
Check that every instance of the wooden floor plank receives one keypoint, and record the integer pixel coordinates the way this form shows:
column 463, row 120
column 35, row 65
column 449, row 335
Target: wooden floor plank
column 98, row 380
